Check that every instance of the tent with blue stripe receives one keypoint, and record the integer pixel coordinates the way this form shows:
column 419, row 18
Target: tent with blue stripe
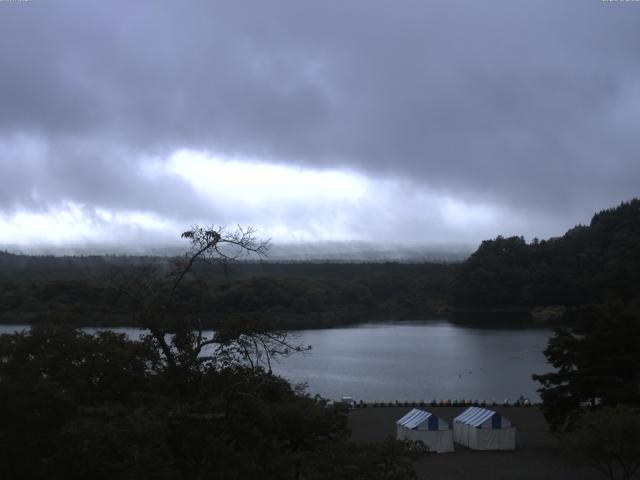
column 482, row 429
column 433, row 431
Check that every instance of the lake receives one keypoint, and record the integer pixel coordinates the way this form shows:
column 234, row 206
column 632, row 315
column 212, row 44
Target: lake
column 413, row 361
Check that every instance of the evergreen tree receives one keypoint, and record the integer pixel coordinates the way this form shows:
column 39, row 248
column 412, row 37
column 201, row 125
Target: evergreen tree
column 597, row 362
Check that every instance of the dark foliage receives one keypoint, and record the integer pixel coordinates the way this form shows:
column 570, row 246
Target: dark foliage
column 607, row 439
column 291, row 295
column 178, row 403
column 588, row 265
column 597, row 362
column 74, row 405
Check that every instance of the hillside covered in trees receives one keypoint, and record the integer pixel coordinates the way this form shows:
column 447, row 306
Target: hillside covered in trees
column 587, row 265
column 293, row 295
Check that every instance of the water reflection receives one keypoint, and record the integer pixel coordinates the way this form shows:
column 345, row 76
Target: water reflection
column 415, row 361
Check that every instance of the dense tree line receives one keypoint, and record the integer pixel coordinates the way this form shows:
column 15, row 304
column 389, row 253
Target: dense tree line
column 294, row 295
column 587, row 265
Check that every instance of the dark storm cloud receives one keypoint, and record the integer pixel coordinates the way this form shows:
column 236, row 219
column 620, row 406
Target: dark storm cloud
column 39, row 174
column 530, row 105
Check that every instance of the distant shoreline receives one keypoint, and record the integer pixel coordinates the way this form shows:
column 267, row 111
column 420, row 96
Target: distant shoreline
column 487, row 318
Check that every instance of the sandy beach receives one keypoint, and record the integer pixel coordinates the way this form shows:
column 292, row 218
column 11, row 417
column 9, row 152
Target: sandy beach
column 536, row 458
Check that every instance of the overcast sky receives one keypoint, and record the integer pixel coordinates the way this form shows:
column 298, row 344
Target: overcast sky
column 393, row 122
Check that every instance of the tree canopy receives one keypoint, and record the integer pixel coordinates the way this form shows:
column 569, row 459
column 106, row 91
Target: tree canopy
column 597, row 363
column 176, row 403
column 587, row 265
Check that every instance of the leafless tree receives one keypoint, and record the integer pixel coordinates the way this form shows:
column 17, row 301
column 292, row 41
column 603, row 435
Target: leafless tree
column 183, row 343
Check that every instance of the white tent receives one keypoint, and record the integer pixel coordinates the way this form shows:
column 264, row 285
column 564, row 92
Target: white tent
column 482, row 429
column 430, row 429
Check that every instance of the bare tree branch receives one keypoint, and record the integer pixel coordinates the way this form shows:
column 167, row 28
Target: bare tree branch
column 154, row 297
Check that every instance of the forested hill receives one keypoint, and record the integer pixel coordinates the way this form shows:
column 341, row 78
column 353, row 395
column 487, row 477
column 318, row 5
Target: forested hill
column 587, row 265
column 296, row 295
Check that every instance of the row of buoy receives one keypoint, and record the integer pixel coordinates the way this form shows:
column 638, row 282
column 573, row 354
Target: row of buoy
column 520, row 402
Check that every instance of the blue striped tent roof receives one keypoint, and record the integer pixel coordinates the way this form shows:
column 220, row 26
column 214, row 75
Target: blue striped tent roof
column 475, row 416
column 417, row 417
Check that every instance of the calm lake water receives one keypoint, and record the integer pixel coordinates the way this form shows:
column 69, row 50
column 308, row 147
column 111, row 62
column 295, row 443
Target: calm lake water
column 414, row 361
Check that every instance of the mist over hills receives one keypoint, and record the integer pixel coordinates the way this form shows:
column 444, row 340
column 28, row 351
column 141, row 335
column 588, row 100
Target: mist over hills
column 278, row 252
column 333, row 284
